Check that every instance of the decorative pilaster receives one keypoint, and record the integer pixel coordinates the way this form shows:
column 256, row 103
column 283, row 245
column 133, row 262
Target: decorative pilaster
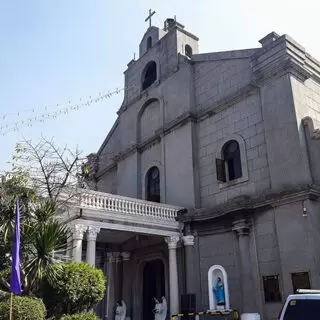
column 118, row 275
column 92, row 234
column 77, row 236
column 242, row 229
column 127, row 281
column 173, row 273
column 188, row 242
column 111, row 298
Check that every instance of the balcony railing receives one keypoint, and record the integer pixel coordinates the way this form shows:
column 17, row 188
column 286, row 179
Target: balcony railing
column 125, row 205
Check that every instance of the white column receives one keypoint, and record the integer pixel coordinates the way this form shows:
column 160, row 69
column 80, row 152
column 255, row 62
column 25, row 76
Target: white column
column 173, row 274
column 92, row 233
column 77, row 236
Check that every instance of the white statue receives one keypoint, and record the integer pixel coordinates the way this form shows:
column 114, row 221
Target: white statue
column 160, row 309
column 121, row 310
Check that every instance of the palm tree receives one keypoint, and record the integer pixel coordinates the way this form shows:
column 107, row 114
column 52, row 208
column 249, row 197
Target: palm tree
column 42, row 238
column 48, row 238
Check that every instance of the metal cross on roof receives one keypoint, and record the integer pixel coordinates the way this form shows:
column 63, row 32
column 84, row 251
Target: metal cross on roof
column 149, row 17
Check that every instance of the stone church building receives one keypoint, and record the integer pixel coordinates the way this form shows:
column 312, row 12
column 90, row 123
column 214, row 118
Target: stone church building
column 213, row 160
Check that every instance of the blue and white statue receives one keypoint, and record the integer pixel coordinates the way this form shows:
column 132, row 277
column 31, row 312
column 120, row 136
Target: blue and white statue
column 218, row 291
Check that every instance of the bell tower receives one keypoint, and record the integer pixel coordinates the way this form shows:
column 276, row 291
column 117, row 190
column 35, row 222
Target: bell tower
column 160, row 52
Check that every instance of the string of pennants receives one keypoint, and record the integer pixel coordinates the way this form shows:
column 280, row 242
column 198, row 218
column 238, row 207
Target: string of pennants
column 5, row 129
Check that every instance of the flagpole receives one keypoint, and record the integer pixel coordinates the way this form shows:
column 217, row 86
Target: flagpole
column 11, row 302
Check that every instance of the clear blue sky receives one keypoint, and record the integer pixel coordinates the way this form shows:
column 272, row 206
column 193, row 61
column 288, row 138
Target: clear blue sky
column 55, row 51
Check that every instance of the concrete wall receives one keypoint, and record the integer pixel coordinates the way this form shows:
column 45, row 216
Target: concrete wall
column 217, row 79
column 282, row 242
column 243, row 122
column 179, row 167
column 150, row 121
column 267, row 253
column 221, row 249
column 287, row 158
column 109, row 182
column 127, row 176
column 177, row 93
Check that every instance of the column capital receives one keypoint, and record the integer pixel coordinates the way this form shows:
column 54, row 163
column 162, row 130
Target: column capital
column 78, row 231
column 188, row 240
column 172, row 242
column 117, row 256
column 92, row 233
column 110, row 257
column 125, row 255
column 241, row 227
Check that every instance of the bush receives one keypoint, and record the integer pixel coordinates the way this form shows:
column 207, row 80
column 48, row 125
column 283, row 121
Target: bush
column 78, row 288
column 80, row 316
column 5, row 278
column 24, row 308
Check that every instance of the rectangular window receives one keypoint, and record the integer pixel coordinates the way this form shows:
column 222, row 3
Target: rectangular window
column 300, row 280
column 271, row 288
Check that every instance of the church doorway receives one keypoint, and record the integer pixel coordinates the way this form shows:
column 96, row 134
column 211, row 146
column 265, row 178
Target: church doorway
column 153, row 286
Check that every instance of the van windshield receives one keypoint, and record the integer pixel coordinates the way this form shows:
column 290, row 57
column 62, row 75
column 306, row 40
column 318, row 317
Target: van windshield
column 303, row 309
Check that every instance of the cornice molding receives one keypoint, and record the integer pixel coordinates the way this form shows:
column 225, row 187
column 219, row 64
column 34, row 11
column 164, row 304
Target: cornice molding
column 246, row 204
column 280, row 67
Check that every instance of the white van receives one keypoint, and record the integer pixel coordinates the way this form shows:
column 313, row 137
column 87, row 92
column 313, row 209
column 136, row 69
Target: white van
column 305, row 305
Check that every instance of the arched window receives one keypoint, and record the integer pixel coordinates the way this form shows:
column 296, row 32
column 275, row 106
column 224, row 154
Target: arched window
column 188, row 51
column 229, row 167
column 149, row 43
column 231, row 156
column 149, row 75
column 153, row 185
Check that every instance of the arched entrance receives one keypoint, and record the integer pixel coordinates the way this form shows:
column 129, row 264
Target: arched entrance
column 153, row 286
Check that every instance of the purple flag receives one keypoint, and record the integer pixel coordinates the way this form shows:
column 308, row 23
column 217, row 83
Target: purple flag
column 15, row 283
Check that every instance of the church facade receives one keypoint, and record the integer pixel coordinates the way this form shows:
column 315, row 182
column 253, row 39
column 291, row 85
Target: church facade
column 213, row 160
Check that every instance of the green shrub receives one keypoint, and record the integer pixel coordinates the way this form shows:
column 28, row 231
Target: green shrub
column 23, row 308
column 5, row 278
column 78, row 288
column 80, row 316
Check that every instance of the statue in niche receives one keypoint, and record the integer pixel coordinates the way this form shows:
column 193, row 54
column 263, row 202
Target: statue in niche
column 218, row 288
column 160, row 309
column 121, row 310
column 218, row 291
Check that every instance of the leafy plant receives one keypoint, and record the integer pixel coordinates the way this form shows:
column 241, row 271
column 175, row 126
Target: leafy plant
column 43, row 237
column 78, row 288
column 80, row 316
column 24, row 308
